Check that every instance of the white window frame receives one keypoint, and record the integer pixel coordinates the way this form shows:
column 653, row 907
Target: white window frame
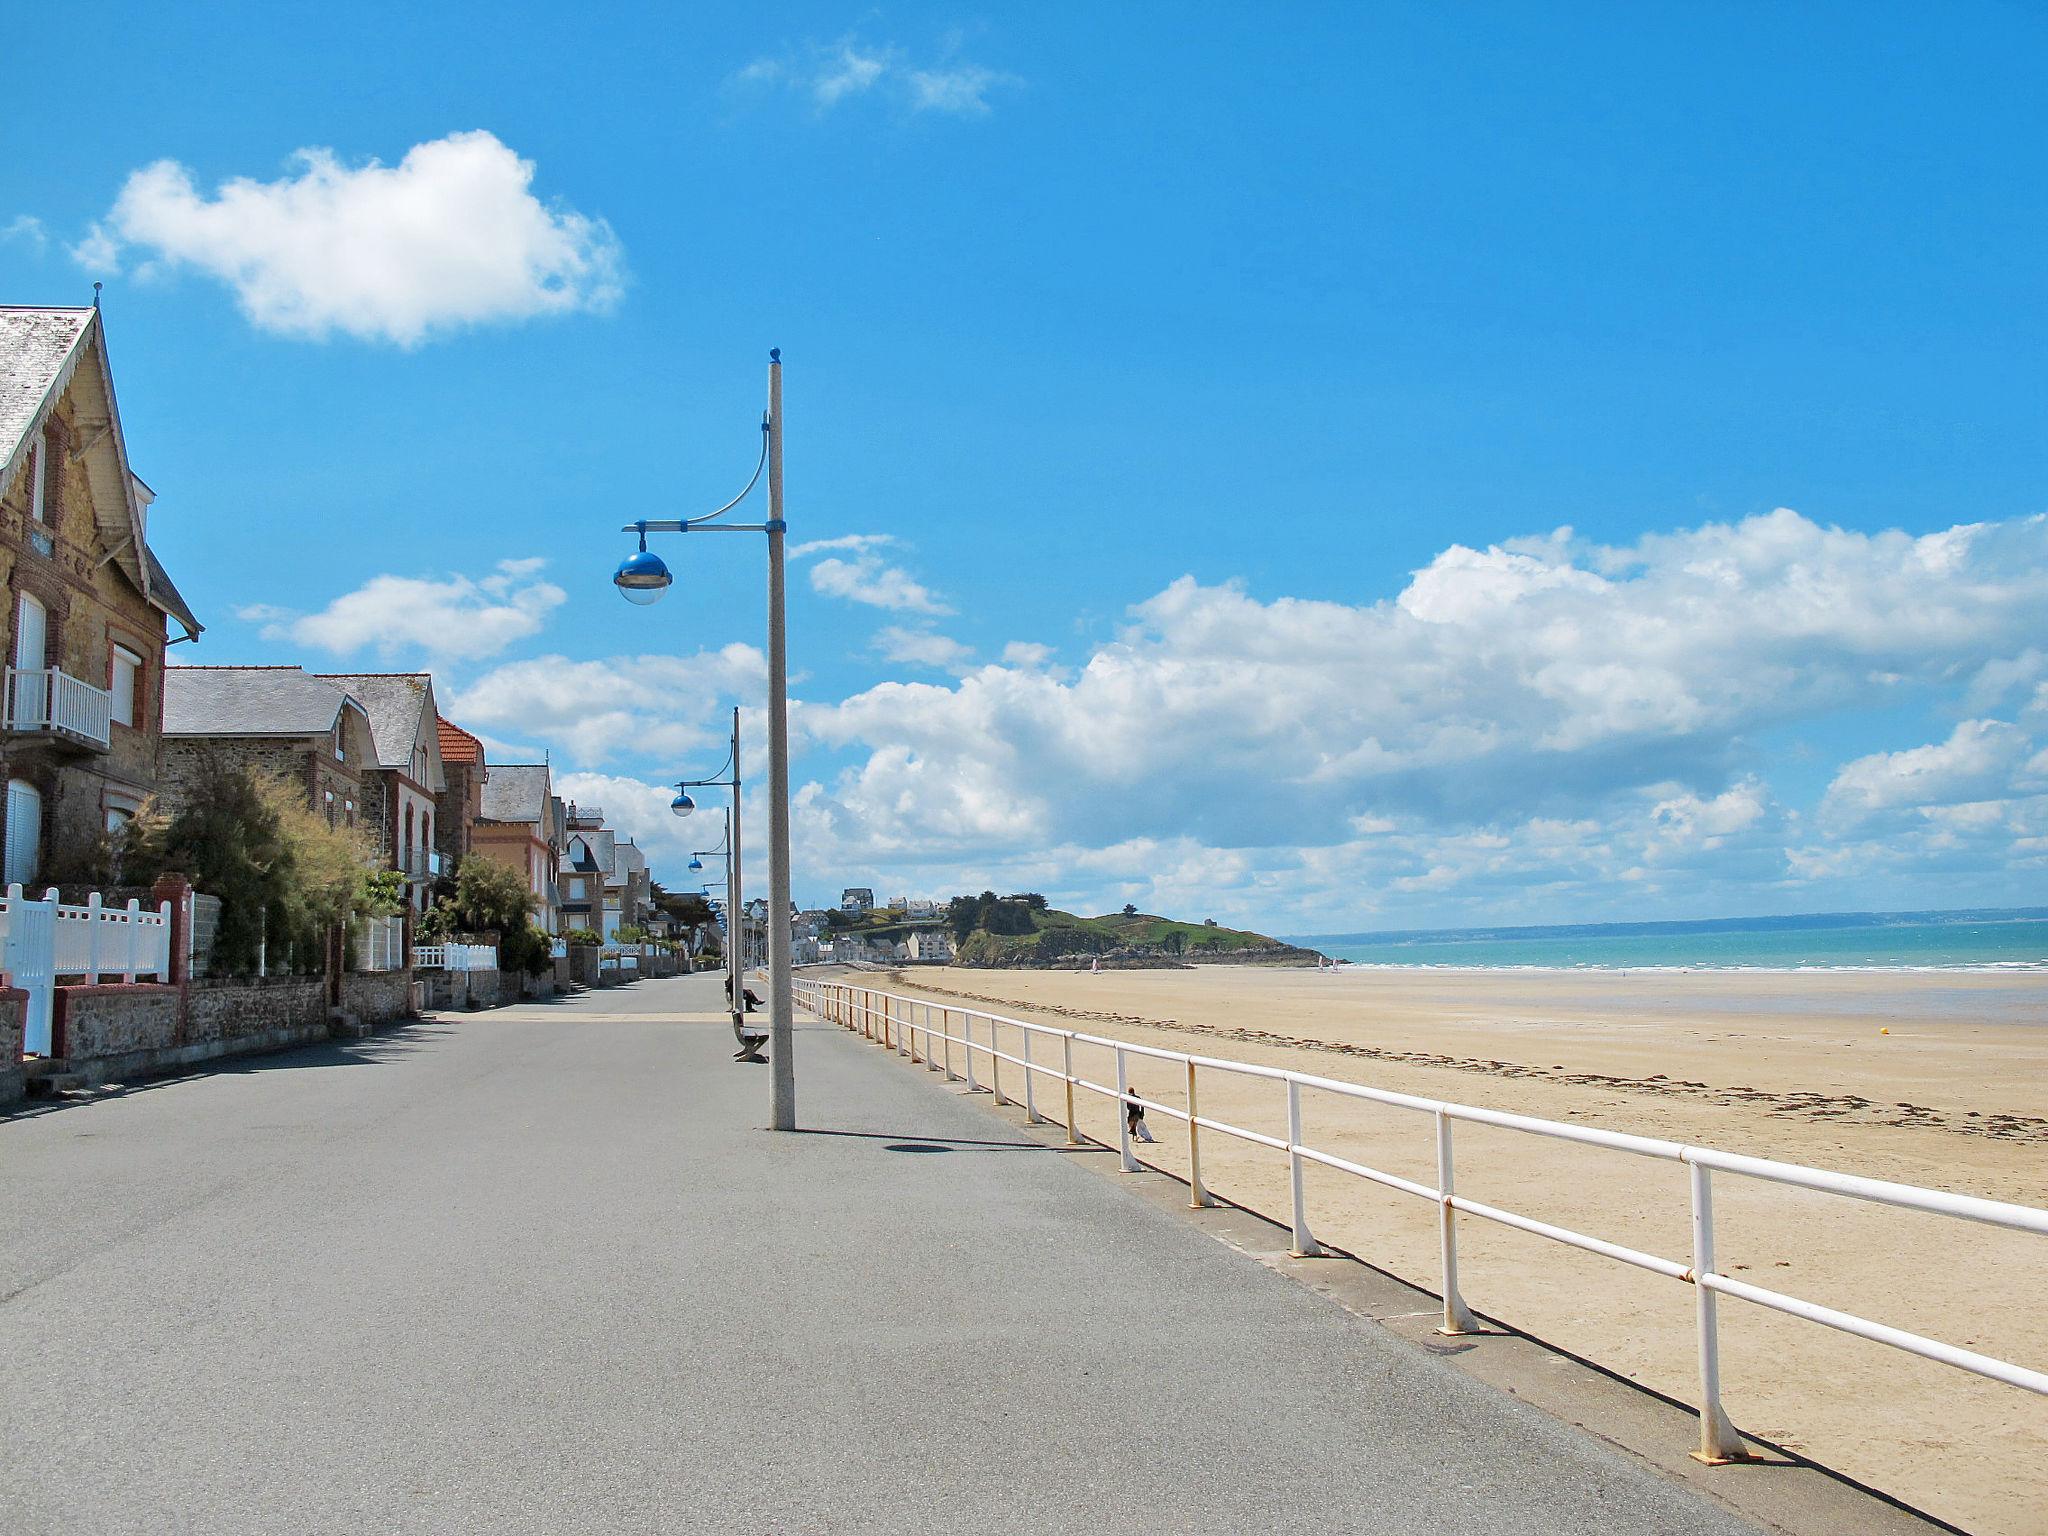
column 122, row 706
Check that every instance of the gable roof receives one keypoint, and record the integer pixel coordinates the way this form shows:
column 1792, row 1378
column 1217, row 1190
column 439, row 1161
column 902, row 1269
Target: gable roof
column 43, row 352
column 395, row 702
column 516, row 792
column 457, row 745
column 250, row 701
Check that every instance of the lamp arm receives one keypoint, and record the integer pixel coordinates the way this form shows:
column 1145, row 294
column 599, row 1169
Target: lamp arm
column 754, row 480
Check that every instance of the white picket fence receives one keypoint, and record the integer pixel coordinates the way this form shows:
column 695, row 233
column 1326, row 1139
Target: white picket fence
column 454, row 957
column 381, row 944
column 41, row 941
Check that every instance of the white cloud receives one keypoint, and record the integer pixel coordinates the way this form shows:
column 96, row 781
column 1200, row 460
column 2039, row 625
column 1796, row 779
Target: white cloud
column 598, row 712
column 1026, row 653
column 921, row 648
column 455, row 618
column 1981, row 761
column 1543, row 720
column 26, row 229
column 451, row 236
column 832, row 73
column 852, row 541
column 962, row 90
column 865, row 579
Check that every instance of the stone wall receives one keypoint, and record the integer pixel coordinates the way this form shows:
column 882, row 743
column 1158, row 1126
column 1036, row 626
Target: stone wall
column 377, row 997
column 88, row 1023
column 583, row 960
column 230, row 1008
column 13, row 1014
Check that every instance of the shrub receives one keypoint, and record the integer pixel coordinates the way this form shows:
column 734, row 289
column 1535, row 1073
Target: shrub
column 527, row 950
column 490, row 897
column 583, row 936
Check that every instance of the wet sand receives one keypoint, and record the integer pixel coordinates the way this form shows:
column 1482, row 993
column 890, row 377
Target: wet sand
column 1797, row 1067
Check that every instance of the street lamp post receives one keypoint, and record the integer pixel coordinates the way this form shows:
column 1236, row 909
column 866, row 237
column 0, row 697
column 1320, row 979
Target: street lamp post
column 642, row 578
column 735, row 974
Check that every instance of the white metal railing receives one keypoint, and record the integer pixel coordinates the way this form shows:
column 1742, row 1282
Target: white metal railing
column 455, row 957
column 381, row 944
column 900, row 1023
column 96, row 941
column 47, row 699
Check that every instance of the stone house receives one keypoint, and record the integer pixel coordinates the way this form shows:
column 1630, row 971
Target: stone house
column 589, row 857
column 857, row 898
column 282, row 720
column 401, row 792
column 457, row 807
column 521, row 825
column 88, row 608
column 630, row 892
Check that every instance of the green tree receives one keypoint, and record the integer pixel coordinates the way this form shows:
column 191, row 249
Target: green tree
column 1129, row 910
column 283, row 875
column 490, row 897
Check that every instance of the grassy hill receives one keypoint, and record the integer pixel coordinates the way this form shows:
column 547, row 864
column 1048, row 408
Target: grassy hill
column 1062, row 938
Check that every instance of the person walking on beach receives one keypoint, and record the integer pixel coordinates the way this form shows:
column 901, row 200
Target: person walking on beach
column 1134, row 1118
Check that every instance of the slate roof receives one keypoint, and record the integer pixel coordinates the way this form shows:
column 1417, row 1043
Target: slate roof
column 40, row 354
column 457, row 745
column 39, row 349
column 395, row 702
column 249, row 701
column 516, row 792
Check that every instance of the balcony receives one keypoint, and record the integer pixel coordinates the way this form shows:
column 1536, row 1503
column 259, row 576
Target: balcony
column 46, row 702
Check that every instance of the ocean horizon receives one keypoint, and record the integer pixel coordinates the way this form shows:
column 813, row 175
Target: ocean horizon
column 1974, row 939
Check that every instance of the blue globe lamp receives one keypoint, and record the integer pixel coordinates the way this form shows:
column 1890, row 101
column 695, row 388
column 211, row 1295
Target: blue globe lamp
column 642, row 577
column 682, row 805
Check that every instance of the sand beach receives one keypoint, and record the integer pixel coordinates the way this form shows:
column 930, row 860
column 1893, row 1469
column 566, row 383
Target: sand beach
column 1933, row 1078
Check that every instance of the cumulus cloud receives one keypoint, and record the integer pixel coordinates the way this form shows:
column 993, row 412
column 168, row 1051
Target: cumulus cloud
column 1982, row 761
column 452, row 236
column 1542, row 716
column 606, row 711
column 921, row 648
column 829, row 74
column 453, row 618
column 867, row 579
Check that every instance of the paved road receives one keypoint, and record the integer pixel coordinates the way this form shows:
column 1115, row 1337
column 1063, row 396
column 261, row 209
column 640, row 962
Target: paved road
column 540, row 1270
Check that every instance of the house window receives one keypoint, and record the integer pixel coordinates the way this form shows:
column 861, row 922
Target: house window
column 330, row 807
column 126, row 685
column 340, row 755
column 349, row 808
column 36, row 508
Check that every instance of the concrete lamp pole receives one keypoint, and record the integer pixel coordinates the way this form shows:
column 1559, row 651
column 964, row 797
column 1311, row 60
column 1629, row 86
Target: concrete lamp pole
column 642, row 578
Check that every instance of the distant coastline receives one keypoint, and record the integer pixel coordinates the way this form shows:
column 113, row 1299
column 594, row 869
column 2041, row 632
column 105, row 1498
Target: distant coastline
column 1971, row 939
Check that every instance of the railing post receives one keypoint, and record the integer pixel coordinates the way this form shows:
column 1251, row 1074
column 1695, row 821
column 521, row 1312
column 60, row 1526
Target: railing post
column 967, row 1049
column 995, row 1060
column 1457, row 1319
column 1129, row 1162
column 1031, row 1114
column 946, row 1040
column 134, row 934
column 1067, row 1072
column 903, row 1047
column 910, row 1030
column 1305, row 1246
column 1198, row 1196
column 924, row 1013
column 1719, row 1443
column 92, row 939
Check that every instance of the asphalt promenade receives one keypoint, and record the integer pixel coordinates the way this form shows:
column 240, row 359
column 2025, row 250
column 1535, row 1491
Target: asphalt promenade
column 541, row 1270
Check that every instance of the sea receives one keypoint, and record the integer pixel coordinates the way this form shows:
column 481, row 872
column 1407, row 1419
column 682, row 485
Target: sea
column 2007, row 939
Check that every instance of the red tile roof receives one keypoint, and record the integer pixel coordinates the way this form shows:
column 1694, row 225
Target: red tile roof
column 457, row 745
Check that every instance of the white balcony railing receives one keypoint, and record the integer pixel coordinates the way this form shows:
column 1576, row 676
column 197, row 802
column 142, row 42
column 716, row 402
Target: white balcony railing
column 43, row 699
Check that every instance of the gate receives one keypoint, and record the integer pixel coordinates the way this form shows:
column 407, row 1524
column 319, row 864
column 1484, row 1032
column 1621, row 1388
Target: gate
column 29, row 955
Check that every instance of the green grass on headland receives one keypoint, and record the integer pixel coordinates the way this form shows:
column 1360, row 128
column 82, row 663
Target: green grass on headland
column 1065, row 938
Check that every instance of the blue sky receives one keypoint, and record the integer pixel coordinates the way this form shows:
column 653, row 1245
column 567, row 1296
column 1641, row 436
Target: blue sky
column 1165, row 346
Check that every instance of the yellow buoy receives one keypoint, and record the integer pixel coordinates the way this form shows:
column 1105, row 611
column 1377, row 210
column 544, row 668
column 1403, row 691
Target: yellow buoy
column 1885, row 1031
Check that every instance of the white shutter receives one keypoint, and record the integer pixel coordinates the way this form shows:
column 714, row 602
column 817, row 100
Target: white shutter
column 24, row 832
